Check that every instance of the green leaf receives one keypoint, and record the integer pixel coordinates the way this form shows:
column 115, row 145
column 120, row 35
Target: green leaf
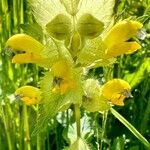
column 89, row 26
column 79, row 144
column 33, row 30
column 136, row 77
column 130, row 127
column 59, row 27
column 71, row 6
column 118, row 144
column 86, row 129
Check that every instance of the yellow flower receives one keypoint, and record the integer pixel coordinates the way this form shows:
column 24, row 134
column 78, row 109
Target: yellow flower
column 29, row 47
column 63, row 77
column 116, row 41
column 116, row 91
column 29, row 95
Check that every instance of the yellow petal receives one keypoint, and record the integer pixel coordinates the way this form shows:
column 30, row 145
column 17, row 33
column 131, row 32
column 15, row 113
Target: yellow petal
column 23, row 42
column 114, row 90
column 61, row 69
column 29, row 95
column 30, row 101
column 122, row 48
column 27, row 44
column 122, row 31
column 26, row 58
column 64, row 86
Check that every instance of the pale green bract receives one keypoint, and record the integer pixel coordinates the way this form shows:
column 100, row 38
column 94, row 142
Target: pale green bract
column 93, row 54
column 55, row 102
column 45, row 10
column 100, row 9
column 71, row 6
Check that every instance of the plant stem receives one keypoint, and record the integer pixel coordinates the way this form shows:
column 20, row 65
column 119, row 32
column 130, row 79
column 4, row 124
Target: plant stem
column 7, row 131
column 26, row 128
column 38, row 135
column 105, row 114
column 77, row 118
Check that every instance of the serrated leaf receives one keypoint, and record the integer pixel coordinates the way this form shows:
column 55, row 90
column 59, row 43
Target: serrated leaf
column 59, row 27
column 136, row 77
column 71, row 6
column 89, row 26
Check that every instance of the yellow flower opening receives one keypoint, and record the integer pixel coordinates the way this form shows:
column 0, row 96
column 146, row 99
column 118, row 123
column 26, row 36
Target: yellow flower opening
column 63, row 79
column 116, row 91
column 29, row 95
column 116, row 41
column 29, row 47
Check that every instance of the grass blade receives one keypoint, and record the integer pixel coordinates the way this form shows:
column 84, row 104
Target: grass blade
column 130, row 127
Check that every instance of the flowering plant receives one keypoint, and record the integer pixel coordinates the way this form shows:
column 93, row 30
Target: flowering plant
column 76, row 37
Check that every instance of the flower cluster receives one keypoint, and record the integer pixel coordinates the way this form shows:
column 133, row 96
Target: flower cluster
column 72, row 45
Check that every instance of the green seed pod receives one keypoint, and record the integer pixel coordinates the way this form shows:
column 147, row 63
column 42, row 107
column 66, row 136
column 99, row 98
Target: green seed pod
column 74, row 44
column 75, row 41
column 89, row 26
column 59, row 27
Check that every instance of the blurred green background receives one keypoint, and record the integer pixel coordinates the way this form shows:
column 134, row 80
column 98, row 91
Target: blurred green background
column 17, row 120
